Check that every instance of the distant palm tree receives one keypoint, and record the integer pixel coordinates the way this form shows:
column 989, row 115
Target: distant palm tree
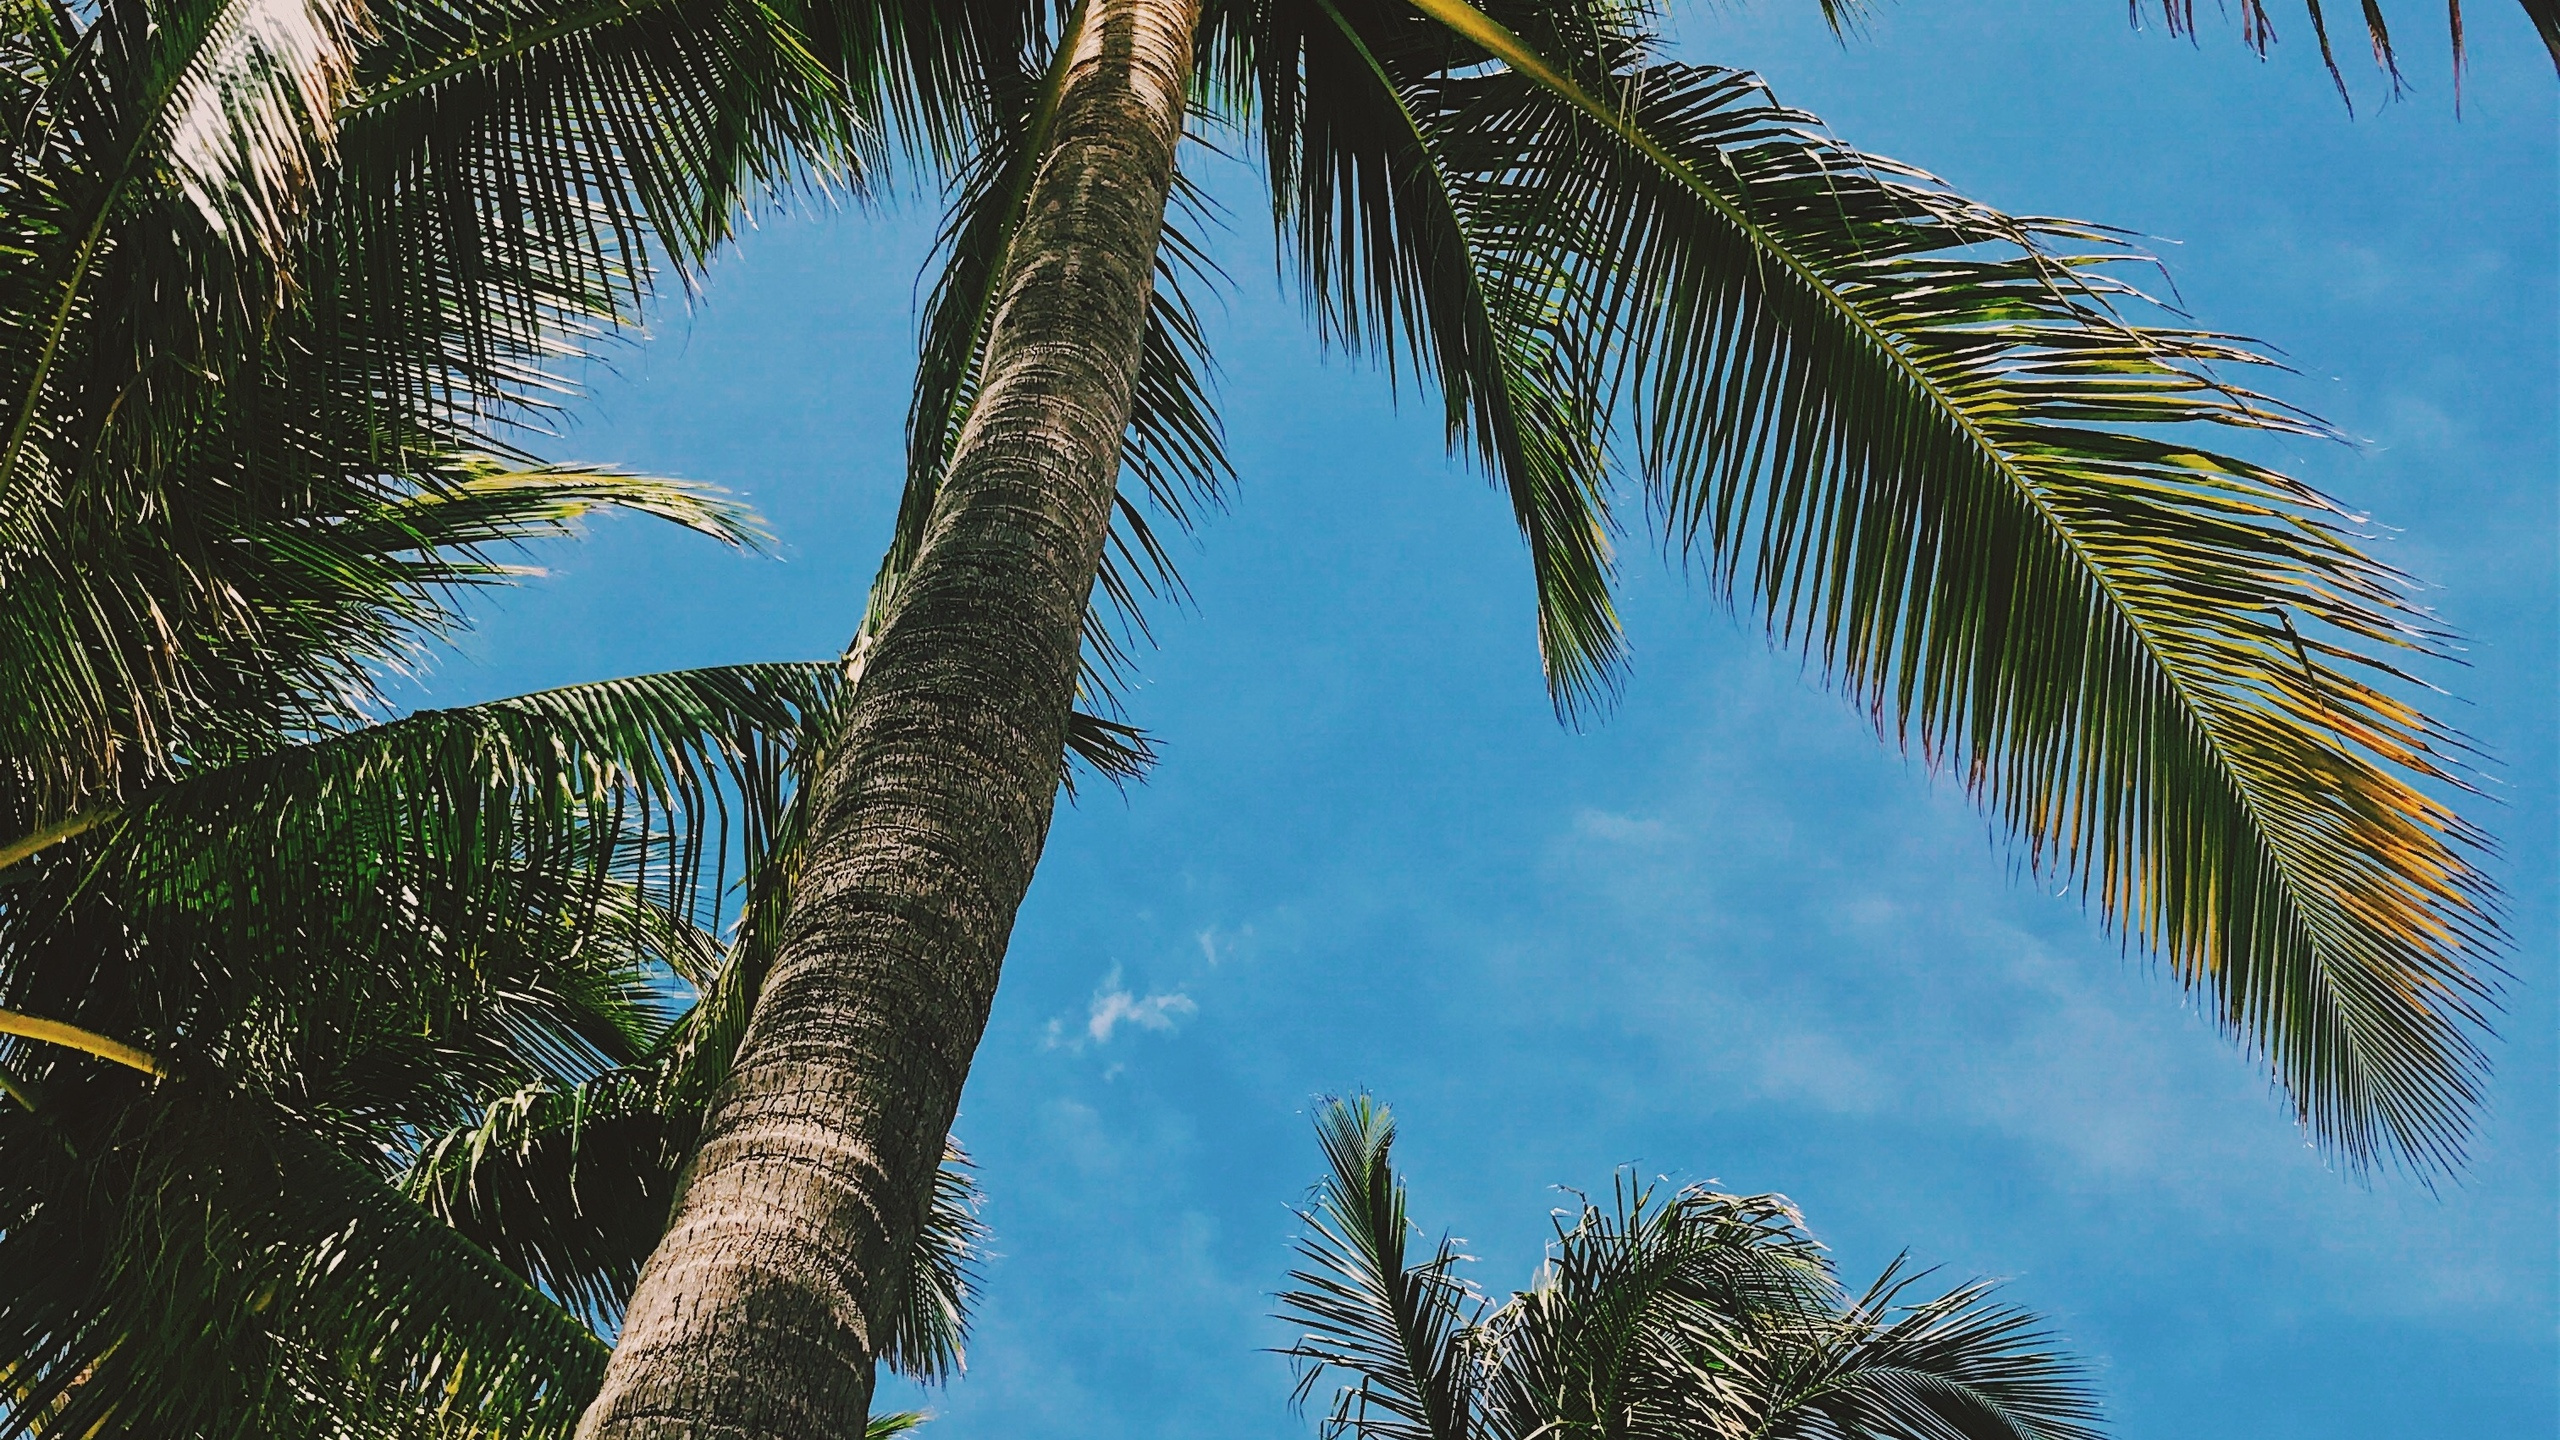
column 1698, row 1317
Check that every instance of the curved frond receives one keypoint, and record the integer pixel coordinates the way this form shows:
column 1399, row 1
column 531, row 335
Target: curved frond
column 1926, row 442
column 1404, row 249
column 1630, row 1300
column 568, row 1186
column 1703, row 1315
column 1398, row 1332
column 1957, row 1364
column 928, row 1335
column 395, row 923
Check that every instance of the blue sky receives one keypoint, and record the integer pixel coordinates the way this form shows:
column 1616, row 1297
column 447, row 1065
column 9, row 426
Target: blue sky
column 1724, row 934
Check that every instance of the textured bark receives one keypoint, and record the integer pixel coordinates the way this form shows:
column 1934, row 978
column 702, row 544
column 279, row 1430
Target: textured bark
column 754, row 1319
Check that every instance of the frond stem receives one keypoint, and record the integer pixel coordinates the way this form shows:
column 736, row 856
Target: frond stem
column 576, row 20
column 72, row 1037
column 55, row 833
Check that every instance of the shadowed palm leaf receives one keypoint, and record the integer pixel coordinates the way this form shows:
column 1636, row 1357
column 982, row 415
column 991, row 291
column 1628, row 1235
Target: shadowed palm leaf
column 189, row 1261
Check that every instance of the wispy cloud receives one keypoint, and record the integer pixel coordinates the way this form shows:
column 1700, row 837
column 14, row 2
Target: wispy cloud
column 1114, row 1005
column 1218, row 944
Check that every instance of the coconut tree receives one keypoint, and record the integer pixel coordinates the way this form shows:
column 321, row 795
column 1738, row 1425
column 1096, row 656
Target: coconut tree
column 1696, row 1315
column 258, row 951
column 1949, row 453
column 1935, row 445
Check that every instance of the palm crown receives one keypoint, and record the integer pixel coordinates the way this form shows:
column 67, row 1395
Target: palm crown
column 1702, row 1314
column 1934, row 446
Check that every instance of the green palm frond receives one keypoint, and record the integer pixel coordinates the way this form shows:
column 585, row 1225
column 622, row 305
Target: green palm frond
column 1401, row 1333
column 928, row 1335
column 1954, row 1364
column 1925, row 441
column 183, row 1260
column 1629, row 1299
column 1404, row 250
column 221, row 107
column 567, row 1185
column 394, row 924
column 658, row 757
column 195, row 620
column 515, row 170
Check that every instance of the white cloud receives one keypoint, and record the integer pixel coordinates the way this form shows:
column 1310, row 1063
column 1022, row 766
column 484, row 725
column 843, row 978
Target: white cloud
column 1114, row 1005
column 1152, row 1012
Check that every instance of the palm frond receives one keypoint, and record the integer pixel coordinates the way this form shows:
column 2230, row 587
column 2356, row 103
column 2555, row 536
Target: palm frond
column 1400, row 1333
column 527, row 163
column 1402, row 248
column 567, row 1186
column 669, row 754
column 1705, row 1314
column 149, row 633
column 928, row 1335
column 184, row 1261
column 1926, row 442
column 1623, row 1322
column 392, row 925
column 1955, row 1365
column 223, row 106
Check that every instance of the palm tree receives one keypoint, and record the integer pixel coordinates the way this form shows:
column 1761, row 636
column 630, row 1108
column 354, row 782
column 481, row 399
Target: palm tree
column 1923, row 437
column 257, row 953
column 1933, row 445
column 1700, row 1315
column 289, row 998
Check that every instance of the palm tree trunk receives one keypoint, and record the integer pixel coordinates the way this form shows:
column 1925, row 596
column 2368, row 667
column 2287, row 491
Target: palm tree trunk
column 758, row 1316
